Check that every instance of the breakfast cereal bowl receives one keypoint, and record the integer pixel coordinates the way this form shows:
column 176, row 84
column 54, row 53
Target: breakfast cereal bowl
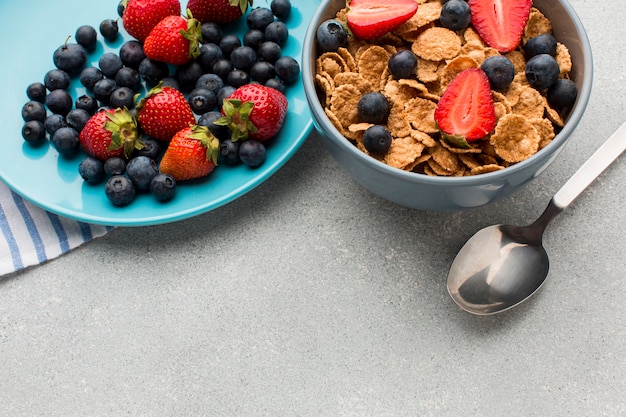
column 441, row 193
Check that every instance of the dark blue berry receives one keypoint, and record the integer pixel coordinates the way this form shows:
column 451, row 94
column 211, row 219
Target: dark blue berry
column 33, row 110
column 122, row 97
column 110, row 63
column 252, row 153
column 212, row 82
column 281, row 9
column 141, row 170
column 269, row 51
column 120, row 190
column 229, row 43
column 262, row 71
column 202, row 100
column 90, row 76
column 151, row 149
column 115, row 166
column 171, row 82
column 109, row 29
column 331, row 36
column 153, row 71
column 37, row 92
column 188, row 75
column 91, row 170
column 210, row 53
column 128, row 77
column 34, row 132
column 224, row 93
column 121, row 6
column 87, row 37
column 66, row 142
column 541, row 44
column 208, row 119
column 276, row 84
column 402, row 64
column 211, row 33
column 373, row 108
column 455, row 15
column 103, row 89
column 243, row 58
column 70, row 57
column 222, row 68
column 562, row 94
column 253, row 38
column 259, row 18
column 132, row 53
column 163, row 187
column 59, row 102
column 287, row 69
column 54, row 122
column 56, row 79
column 87, row 103
column 500, row 71
column 277, row 32
column 77, row 119
column 229, row 151
column 377, row 139
column 542, row 71
column 237, row 78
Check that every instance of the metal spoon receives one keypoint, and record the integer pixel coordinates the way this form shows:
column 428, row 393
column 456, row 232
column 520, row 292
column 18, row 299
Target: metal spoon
column 503, row 265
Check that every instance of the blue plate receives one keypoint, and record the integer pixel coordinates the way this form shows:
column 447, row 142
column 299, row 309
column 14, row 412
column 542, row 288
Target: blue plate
column 43, row 177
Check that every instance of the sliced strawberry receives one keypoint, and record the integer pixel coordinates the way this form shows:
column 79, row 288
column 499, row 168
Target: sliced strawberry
column 465, row 111
column 500, row 23
column 370, row 19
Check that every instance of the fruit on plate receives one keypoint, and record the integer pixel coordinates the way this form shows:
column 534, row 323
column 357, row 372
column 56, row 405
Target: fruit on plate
column 163, row 112
column 174, row 40
column 500, row 23
column 192, row 153
column 140, row 16
column 218, row 11
column 254, row 111
column 466, row 112
column 370, row 19
column 110, row 133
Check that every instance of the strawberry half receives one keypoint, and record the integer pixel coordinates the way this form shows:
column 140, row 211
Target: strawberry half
column 174, row 40
column 163, row 112
column 110, row 133
column 254, row 111
column 218, row 11
column 465, row 111
column 192, row 153
column 500, row 23
column 140, row 16
column 370, row 19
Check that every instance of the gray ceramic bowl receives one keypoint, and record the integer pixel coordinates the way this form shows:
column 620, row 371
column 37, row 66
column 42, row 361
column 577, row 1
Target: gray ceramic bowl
column 423, row 192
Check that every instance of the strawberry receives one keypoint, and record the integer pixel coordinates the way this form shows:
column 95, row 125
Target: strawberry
column 163, row 112
column 109, row 133
column 370, row 19
column 218, row 11
column 254, row 111
column 174, row 40
column 500, row 23
column 465, row 111
column 140, row 16
column 192, row 153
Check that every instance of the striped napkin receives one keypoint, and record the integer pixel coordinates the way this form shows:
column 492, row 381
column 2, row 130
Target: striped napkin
column 31, row 236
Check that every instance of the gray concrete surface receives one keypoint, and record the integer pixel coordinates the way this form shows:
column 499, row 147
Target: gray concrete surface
column 311, row 297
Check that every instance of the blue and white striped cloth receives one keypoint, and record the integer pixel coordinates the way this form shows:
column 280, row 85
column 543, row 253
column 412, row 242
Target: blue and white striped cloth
column 31, row 236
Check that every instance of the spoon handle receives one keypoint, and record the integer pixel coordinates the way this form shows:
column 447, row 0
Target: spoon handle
column 591, row 169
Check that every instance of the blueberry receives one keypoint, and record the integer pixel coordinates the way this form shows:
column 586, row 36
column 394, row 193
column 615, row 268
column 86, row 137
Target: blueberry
column 188, row 75
column 276, row 84
column 252, row 153
column 228, row 44
column 171, row 82
column 163, row 187
column 103, row 89
column 222, row 68
column 377, row 139
column 110, row 63
column 211, row 33
column 66, row 141
column 277, row 32
column 237, row 78
column 287, row 69
column 70, row 57
column 128, row 77
column 209, row 54
column 259, row 18
column 243, row 58
column 224, row 93
column 114, row 166
column 207, row 119
column 56, row 79
column 33, row 110
column 402, row 64
column 109, row 29
column 541, row 44
column 34, row 132
column 91, row 170
column 122, row 97
column 153, row 71
column 87, row 103
column 562, row 94
column 374, row 108
column 132, row 53
column 269, row 51
column 455, row 15
column 542, row 71
column 211, row 82
column 229, row 151
column 120, row 190
column 59, row 102
column 500, row 71
column 141, row 170
column 331, row 36
column 202, row 100
column 152, row 148
column 37, row 92
column 87, row 37
column 54, row 122
column 121, row 6
column 262, row 71
column 77, row 119
column 253, row 38
column 281, row 9
column 90, row 76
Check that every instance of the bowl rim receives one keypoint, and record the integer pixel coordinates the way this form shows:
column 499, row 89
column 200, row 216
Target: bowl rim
column 572, row 120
